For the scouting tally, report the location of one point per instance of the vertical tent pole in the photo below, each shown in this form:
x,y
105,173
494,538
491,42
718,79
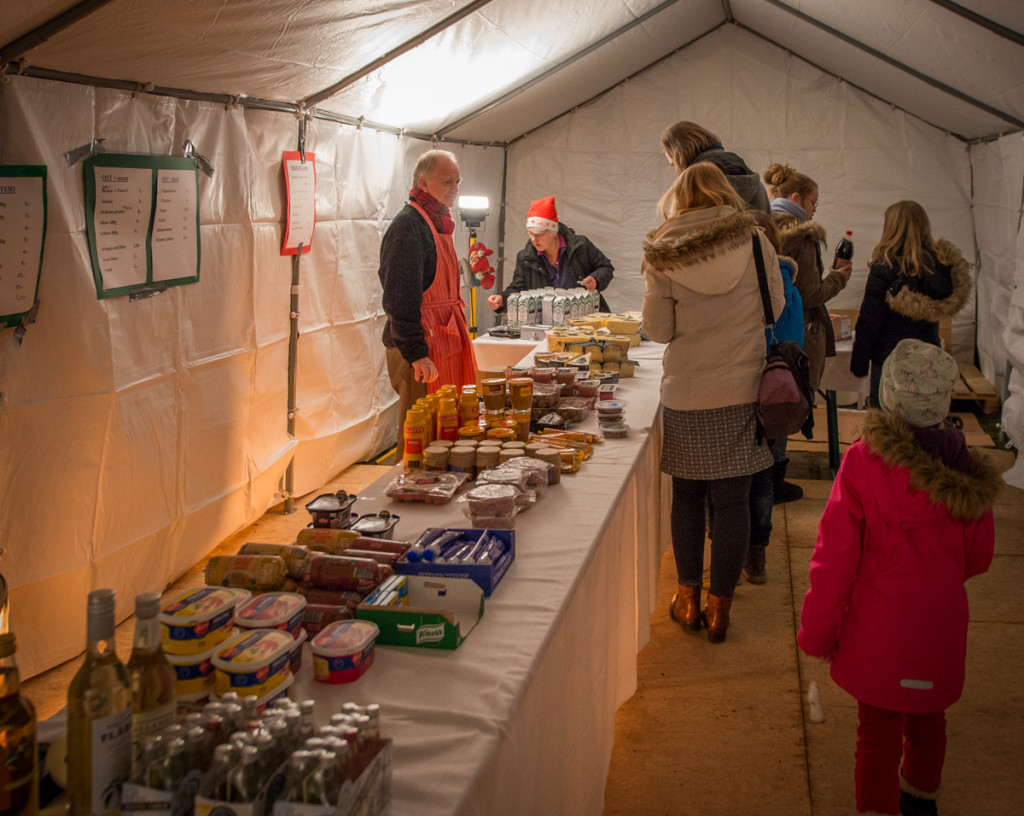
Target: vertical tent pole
x,y
293,348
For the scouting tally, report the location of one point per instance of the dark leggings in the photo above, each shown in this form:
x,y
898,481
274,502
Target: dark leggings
x,y
730,530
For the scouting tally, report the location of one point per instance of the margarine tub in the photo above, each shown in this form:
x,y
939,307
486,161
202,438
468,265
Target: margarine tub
x,y
253,663
343,650
197,620
194,673
272,610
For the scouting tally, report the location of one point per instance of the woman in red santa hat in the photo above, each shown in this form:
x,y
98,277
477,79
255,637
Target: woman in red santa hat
x,y
555,256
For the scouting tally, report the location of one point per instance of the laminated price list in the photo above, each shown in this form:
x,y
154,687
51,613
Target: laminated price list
x,y
143,221
22,230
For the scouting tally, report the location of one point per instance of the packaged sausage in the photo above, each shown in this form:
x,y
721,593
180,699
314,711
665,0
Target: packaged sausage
x,y
331,597
316,616
252,572
322,539
294,556
344,572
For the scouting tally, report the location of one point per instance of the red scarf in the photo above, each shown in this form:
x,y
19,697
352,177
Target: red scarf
x,y
438,212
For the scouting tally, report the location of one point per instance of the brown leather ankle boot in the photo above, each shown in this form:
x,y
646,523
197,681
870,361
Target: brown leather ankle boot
x,y
754,567
716,616
685,608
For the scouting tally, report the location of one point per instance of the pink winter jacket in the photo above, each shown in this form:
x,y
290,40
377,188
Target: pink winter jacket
x,y
900,535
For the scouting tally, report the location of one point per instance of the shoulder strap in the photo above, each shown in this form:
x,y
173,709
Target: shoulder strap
x,y
762,281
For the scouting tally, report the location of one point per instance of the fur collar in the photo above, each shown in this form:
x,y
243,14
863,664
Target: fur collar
x,y
789,226
681,241
793,268
965,495
918,306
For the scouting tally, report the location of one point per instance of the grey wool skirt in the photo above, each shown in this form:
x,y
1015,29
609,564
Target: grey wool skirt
x,y
717,443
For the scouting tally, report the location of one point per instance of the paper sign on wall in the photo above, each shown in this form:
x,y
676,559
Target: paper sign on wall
x,y
142,217
22,230
300,190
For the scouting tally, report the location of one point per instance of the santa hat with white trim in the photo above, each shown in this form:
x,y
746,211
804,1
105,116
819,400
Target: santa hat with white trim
x,y
542,214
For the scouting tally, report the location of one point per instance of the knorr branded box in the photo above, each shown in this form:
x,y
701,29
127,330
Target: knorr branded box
x,y
440,613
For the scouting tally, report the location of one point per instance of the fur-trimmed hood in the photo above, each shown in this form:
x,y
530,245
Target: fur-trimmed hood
x,y
967,495
918,306
790,226
684,246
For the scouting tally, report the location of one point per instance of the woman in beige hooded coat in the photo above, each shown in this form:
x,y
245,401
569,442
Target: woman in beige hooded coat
x,y
703,300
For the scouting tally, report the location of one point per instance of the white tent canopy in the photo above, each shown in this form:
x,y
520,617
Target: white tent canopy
x,y
137,434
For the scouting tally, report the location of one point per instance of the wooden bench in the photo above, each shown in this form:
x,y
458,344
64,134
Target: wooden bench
x,y
973,386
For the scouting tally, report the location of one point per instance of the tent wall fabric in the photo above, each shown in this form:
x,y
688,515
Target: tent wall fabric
x,y
136,434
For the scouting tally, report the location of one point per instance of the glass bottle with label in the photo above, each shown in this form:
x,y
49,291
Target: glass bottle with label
x,y
99,718
151,678
19,788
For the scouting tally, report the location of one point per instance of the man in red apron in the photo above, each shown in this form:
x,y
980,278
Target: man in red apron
x,y
426,337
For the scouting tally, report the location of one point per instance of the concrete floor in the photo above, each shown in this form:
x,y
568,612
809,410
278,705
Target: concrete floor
x,y
716,730
723,729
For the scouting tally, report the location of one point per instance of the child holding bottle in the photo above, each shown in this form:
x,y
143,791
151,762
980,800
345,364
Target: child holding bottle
x,y
908,521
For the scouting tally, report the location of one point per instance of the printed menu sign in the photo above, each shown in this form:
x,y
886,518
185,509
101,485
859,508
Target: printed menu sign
x,y
300,187
142,217
22,230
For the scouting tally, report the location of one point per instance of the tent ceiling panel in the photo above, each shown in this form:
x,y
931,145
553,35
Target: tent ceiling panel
x,y
1005,12
264,48
21,18
934,41
888,82
578,80
482,57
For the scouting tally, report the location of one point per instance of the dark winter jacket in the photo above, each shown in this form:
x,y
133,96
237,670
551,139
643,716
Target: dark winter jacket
x,y
901,533
801,241
898,306
408,263
744,181
584,260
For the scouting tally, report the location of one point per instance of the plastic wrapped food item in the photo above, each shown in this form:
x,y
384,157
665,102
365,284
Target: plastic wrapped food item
x,y
433,487
344,572
536,471
492,500
380,524
294,556
504,475
253,572
618,430
319,539
316,616
551,420
573,409
332,597
331,509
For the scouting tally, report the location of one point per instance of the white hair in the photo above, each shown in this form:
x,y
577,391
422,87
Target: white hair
x,y
428,161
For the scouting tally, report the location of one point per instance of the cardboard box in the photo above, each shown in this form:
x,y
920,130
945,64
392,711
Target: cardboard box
x,y
843,322
440,614
486,576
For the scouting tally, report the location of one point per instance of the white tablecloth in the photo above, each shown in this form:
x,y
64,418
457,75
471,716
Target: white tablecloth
x,y
494,352
520,719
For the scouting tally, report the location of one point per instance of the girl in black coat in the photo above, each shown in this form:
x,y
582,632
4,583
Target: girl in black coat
x,y
914,282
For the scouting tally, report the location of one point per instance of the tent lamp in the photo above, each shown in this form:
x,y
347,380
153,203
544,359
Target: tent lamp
x,y
473,210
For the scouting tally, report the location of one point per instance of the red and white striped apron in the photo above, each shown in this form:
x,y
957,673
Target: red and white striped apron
x,y
444,317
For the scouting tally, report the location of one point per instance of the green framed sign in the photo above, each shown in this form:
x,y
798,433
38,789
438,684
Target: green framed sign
x,y
22,233
142,218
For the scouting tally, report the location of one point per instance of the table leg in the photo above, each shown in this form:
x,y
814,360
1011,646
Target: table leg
x,y
832,420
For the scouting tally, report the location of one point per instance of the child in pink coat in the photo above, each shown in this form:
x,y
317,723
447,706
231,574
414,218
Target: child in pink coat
x,y
908,521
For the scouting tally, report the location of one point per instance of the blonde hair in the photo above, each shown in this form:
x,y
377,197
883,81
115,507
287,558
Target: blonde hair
x,y
698,187
684,141
783,181
426,163
906,235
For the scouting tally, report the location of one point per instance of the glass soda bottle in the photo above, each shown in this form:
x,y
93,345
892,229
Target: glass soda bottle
x,y
844,249
19,763
99,718
151,678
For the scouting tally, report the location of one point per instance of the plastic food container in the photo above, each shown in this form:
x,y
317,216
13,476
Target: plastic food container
x,y
331,510
197,620
343,651
272,610
254,662
376,525
295,661
194,673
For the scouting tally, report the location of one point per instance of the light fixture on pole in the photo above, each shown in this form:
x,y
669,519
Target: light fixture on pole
x,y
472,212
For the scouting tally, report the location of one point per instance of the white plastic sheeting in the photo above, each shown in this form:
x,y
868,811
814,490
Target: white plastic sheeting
x,y
137,435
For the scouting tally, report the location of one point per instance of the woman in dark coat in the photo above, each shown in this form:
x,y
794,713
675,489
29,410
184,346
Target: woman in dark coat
x,y
914,282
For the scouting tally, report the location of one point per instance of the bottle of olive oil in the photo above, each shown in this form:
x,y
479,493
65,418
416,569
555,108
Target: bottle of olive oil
x,y
151,678
19,785
99,718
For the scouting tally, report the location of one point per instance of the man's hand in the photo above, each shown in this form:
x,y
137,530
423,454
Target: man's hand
x,y
424,370
495,301
589,282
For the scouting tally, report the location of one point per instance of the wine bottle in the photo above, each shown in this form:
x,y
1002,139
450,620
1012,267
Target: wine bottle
x,y
19,762
99,718
151,678
844,249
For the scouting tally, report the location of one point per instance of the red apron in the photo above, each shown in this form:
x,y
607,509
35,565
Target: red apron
x,y
444,318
